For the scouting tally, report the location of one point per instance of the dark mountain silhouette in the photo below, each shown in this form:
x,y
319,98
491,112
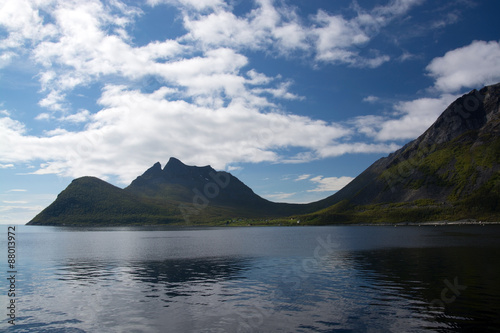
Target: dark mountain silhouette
x,y
452,171
180,182
176,194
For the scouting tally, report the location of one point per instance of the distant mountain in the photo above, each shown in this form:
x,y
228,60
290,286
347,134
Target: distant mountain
x,y
91,201
451,172
179,182
177,194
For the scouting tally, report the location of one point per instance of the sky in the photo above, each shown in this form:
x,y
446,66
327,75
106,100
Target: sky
x,y
293,97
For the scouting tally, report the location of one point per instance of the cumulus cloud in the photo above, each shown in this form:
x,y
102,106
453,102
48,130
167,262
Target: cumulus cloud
x,y
81,116
329,38
476,64
23,23
471,66
208,105
412,119
138,128
82,42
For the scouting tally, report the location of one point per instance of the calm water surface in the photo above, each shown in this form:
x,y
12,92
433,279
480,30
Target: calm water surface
x,y
301,279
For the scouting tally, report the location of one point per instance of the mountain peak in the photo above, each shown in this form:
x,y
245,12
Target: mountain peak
x,y
153,172
470,112
174,161
451,170
175,168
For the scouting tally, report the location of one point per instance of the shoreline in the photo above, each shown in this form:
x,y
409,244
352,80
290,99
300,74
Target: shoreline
x,y
395,224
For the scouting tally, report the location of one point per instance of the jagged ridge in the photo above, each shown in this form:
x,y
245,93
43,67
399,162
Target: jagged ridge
x,y
176,194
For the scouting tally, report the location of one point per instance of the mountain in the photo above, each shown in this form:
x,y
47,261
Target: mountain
x,y
178,194
180,182
202,187
89,200
450,172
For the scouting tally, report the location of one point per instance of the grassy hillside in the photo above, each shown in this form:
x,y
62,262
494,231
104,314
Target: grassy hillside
x,y
91,200
458,180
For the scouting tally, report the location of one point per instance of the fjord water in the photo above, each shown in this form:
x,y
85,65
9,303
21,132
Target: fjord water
x,y
256,279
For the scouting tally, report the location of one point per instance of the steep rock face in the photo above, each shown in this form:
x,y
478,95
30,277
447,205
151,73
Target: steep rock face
x,y
454,163
180,182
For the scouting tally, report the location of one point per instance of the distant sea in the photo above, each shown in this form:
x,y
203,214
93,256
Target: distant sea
x,y
254,279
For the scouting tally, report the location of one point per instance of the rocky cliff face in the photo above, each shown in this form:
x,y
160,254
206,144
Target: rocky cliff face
x,y
450,167
181,182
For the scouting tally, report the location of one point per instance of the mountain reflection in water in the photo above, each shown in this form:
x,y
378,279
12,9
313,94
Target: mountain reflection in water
x,y
373,279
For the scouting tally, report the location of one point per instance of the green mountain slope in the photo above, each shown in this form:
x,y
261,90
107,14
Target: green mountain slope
x,y
89,200
451,172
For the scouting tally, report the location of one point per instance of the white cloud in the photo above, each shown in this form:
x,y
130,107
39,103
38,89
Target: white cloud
x,y
90,42
57,131
302,177
232,169
23,23
43,116
409,120
282,91
210,106
340,40
474,65
78,43
5,58
330,38
54,101
417,116
370,99
81,116
395,8
471,66
193,4
138,129
6,166
327,184
257,78
335,150
279,196
406,56
335,36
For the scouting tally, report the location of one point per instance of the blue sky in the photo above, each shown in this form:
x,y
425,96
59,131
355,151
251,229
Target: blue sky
x,y
295,98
